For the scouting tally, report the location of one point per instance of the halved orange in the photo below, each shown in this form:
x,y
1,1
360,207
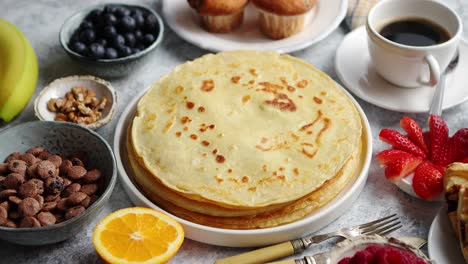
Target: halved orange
x,y
137,235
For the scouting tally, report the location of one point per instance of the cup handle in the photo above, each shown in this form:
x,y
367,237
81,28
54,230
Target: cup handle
x,y
434,70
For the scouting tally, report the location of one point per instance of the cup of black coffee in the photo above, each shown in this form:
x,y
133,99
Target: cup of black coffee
x,y
412,42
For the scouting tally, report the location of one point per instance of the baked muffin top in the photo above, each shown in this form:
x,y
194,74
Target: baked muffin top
x,y
285,7
217,7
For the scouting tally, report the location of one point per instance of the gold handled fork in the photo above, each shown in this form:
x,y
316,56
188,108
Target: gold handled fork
x,y
323,257
380,226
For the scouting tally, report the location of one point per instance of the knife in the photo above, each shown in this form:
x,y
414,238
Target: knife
x,y
321,258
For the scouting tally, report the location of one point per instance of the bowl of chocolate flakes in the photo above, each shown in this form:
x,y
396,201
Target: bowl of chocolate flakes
x,y
54,178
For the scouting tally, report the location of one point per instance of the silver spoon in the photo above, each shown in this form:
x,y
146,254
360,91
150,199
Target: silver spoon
x,y
438,98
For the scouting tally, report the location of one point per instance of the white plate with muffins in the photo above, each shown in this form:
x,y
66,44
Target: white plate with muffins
x,y
283,26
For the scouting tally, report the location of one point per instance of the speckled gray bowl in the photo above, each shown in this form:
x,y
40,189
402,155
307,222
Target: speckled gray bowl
x,y
65,139
107,67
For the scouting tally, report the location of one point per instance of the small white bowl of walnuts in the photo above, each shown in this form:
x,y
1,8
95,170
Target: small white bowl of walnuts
x,y
85,100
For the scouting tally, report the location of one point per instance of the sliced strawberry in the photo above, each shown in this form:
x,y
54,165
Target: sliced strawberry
x,y
438,167
401,142
402,167
414,133
438,134
455,149
428,181
389,155
427,140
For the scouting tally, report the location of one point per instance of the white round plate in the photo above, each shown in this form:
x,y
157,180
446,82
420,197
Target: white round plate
x,y
354,68
246,238
325,17
406,185
442,244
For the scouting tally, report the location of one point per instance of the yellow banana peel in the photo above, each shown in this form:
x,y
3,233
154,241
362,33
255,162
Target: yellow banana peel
x,y
18,71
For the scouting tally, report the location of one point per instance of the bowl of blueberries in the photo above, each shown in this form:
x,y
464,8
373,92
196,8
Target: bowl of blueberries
x,y
111,39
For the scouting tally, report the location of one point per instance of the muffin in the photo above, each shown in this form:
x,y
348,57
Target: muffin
x,y
219,16
282,18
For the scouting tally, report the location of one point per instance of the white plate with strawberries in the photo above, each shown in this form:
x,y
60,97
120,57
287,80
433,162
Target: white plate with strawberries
x,y
416,161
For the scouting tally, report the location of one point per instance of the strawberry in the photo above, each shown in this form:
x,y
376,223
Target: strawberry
x,y
455,149
427,140
414,133
438,134
428,181
389,155
401,142
401,167
465,160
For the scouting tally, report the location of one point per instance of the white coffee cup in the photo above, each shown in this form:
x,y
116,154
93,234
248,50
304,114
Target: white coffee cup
x,y
411,66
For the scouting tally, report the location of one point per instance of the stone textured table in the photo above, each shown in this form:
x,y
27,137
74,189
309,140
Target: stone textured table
x,y
40,20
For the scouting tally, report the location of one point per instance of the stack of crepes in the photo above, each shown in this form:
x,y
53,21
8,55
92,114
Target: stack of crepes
x,y
456,195
244,140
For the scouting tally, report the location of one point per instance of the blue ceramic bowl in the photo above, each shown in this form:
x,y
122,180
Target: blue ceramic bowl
x,y
107,67
65,139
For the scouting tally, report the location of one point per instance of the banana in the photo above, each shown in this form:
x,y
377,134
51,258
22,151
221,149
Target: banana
x,y
18,71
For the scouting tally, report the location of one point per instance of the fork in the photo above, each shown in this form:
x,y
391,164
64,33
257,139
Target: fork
x,y
382,226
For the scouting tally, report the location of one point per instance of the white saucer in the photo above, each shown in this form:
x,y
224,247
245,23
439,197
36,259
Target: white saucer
x,y
441,243
325,17
354,68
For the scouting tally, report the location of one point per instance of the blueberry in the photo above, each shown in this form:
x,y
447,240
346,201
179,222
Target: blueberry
x,y
110,9
135,50
125,51
97,51
102,41
109,32
109,19
119,48
140,46
148,39
75,36
94,15
127,24
151,23
78,47
121,11
111,53
130,39
138,35
118,40
136,11
86,25
139,20
87,36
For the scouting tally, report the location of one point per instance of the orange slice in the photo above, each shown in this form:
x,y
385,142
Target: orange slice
x,y
137,235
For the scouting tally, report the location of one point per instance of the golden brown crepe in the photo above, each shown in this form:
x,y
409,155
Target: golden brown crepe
x,y
287,214
246,130
152,187
456,195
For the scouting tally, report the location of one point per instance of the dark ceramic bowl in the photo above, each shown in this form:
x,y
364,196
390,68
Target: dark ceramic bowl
x,y
107,67
64,139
